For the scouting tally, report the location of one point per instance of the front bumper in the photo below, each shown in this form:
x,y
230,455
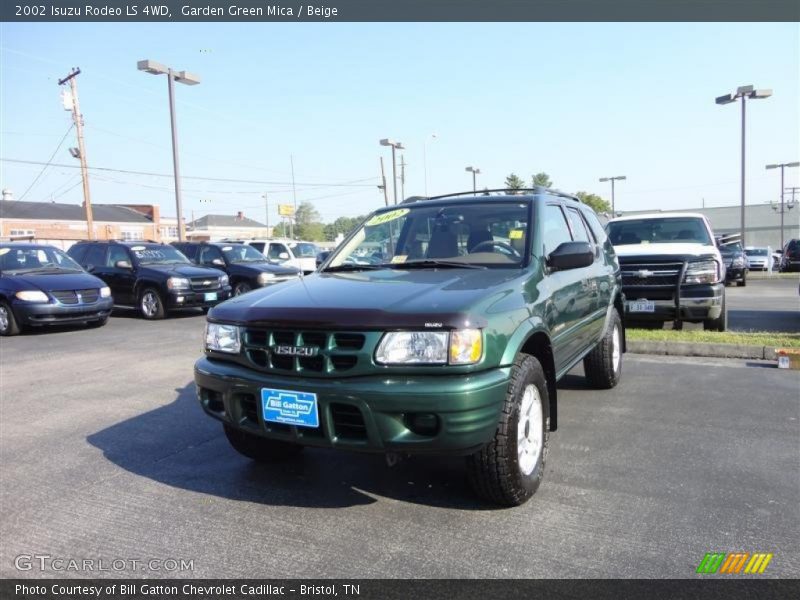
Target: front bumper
x,y
370,414
29,313
192,299
735,274
696,303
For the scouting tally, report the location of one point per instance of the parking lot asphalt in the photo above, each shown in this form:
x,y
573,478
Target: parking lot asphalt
x,y
105,454
765,305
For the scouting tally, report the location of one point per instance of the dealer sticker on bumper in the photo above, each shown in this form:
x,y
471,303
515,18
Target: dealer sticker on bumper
x,y
292,408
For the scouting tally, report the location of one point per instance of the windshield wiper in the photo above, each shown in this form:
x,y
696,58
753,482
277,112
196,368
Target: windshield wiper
x,y
432,264
354,267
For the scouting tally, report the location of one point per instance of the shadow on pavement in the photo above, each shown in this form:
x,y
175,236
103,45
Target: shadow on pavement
x,y
179,446
786,321
120,312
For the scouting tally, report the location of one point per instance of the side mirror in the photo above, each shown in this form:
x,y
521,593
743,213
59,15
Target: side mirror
x,y
283,256
123,264
571,255
218,262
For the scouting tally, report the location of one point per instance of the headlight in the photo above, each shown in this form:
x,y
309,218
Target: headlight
x,y
738,261
223,338
430,347
705,271
223,281
263,278
178,283
32,296
105,292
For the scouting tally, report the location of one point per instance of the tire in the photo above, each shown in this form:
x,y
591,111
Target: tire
x,y
260,449
743,282
502,472
8,322
721,322
241,287
151,305
603,365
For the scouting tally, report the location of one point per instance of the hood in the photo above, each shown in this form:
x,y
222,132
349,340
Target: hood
x,y
54,282
372,299
184,270
263,267
683,249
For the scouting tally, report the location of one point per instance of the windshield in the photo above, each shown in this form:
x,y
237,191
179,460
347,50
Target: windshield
x,y
32,259
491,234
158,255
755,251
242,254
667,230
732,248
304,250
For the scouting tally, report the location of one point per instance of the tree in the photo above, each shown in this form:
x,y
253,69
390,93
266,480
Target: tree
x,y
542,179
594,201
308,223
342,225
513,182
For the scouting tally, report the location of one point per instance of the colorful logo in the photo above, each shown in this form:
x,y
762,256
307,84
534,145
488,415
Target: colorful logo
x,y
734,563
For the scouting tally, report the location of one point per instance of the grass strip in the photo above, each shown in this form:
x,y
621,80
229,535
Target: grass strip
x,y
746,338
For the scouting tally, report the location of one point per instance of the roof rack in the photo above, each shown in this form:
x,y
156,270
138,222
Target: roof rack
x,y
535,190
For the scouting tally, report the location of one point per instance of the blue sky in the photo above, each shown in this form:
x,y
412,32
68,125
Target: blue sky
x,y
579,101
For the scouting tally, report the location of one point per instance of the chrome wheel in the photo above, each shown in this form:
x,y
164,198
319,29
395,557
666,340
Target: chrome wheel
x,y
4,321
529,430
616,348
150,304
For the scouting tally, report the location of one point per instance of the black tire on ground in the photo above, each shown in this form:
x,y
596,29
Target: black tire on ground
x,y
151,305
8,322
241,287
743,282
603,365
721,322
509,469
260,449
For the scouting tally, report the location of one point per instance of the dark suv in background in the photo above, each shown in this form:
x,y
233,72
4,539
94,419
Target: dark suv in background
x,y
246,267
790,259
152,277
449,340
735,260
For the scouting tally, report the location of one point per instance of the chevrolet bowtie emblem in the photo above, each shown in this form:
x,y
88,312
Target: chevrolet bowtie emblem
x,y
642,273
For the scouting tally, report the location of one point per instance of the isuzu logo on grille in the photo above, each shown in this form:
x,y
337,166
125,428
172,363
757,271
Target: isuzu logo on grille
x,y
295,350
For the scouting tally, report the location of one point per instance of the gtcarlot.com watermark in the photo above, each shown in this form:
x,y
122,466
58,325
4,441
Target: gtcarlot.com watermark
x,y
59,564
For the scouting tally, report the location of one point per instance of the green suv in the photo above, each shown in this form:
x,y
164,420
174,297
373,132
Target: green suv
x,y
439,326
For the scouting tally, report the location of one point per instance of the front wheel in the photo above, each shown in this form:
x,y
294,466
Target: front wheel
x,y
743,282
603,365
151,305
8,322
258,448
720,323
509,469
241,288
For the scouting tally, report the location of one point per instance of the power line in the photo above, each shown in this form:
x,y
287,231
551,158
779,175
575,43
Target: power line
x,y
352,183
48,163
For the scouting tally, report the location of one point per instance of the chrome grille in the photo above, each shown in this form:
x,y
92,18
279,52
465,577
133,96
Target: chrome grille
x,y
312,352
200,284
76,296
651,274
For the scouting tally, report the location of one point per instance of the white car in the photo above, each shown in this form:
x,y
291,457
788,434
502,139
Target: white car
x,y
671,269
759,258
298,254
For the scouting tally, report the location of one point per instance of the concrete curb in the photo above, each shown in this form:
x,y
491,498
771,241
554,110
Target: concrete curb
x,y
701,349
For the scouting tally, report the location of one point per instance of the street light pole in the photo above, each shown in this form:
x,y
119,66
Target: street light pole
x,y
782,166
613,200
474,171
744,92
395,146
154,68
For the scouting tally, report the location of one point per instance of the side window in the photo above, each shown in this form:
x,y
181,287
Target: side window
x,y
190,250
77,252
208,254
258,246
597,227
275,251
579,233
95,256
116,254
554,228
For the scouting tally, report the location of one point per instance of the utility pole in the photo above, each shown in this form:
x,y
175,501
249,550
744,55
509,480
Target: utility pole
x,y
294,190
266,212
77,118
383,179
402,177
